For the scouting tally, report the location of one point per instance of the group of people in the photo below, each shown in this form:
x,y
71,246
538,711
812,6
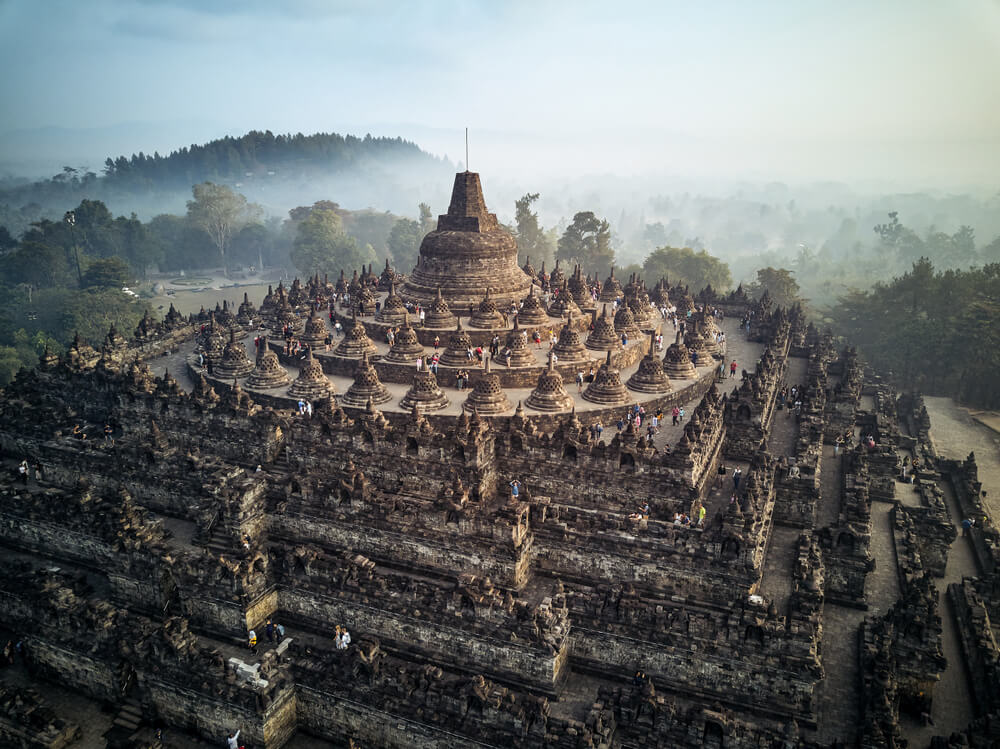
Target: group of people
x,y
24,469
274,632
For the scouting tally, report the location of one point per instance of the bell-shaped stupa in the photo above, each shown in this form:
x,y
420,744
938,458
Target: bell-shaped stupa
x,y
468,252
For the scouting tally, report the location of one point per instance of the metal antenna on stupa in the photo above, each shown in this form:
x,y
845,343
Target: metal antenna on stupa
x,y
466,149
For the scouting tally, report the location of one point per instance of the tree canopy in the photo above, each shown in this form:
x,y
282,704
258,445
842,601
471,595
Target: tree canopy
x,y
935,331
587,241
321,245
682,264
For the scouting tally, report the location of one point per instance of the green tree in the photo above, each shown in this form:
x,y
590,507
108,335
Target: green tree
x,y
780,284
136,244
532,240
321,245
427,221
684,265
404,243
587,241
220,212
106,273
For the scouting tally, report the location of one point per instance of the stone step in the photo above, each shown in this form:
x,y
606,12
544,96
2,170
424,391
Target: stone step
x,y
130,711
125,723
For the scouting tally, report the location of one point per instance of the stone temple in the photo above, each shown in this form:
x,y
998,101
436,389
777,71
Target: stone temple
x,y
468,253
777,569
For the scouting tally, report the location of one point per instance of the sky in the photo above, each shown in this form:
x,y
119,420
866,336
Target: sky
x,y
905,90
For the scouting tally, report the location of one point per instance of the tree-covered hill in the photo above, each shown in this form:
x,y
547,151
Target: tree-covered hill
x,y
278,171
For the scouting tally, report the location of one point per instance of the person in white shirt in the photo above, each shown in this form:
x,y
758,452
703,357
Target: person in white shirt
x,y
233,742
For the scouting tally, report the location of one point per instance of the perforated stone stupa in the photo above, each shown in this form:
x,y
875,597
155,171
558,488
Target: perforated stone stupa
x,y
439,316
268,373
235,362
367,386
311,383
649,377
603,336
424,393
677,361
532,313
549,394
607,388
487,396
468,252
356,342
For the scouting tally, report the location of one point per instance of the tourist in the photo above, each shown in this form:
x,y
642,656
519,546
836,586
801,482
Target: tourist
x,y
507,355
579,381
309,409
590,374
694,358
269,630
681,413
279,631
22,471
252,641
38,472
437,341
675,414
701,515
967,525
434,363
737,475
621,423
599,427
554,358
233,742
624,339
515,488
302,407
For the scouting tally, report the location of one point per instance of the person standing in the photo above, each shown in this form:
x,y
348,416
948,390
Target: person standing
x,y
732,369
233,742
515,488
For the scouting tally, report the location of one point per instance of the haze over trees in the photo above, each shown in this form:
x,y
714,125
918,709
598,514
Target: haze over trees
x,y
587,241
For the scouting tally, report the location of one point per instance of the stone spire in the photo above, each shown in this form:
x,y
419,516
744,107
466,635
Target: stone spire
x,y
578,287
235,362
612,289
393,310
356,342
698,342
456,353
529,270
532,313
268,373
549,394
677,361
649,377
439,316
389,278
563,304
315,332
607,388
406,348
517,341
311,384
424,393
367,387
487,396
625,322
486,315
603,337
557,277
569,349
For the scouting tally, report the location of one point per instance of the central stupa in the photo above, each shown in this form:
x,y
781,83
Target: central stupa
x,y
467,254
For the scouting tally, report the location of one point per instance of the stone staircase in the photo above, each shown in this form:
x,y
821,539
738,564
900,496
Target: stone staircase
x,y
125,725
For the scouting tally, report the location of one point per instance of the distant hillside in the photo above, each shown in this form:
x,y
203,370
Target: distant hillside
x,y
279,171
258,155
